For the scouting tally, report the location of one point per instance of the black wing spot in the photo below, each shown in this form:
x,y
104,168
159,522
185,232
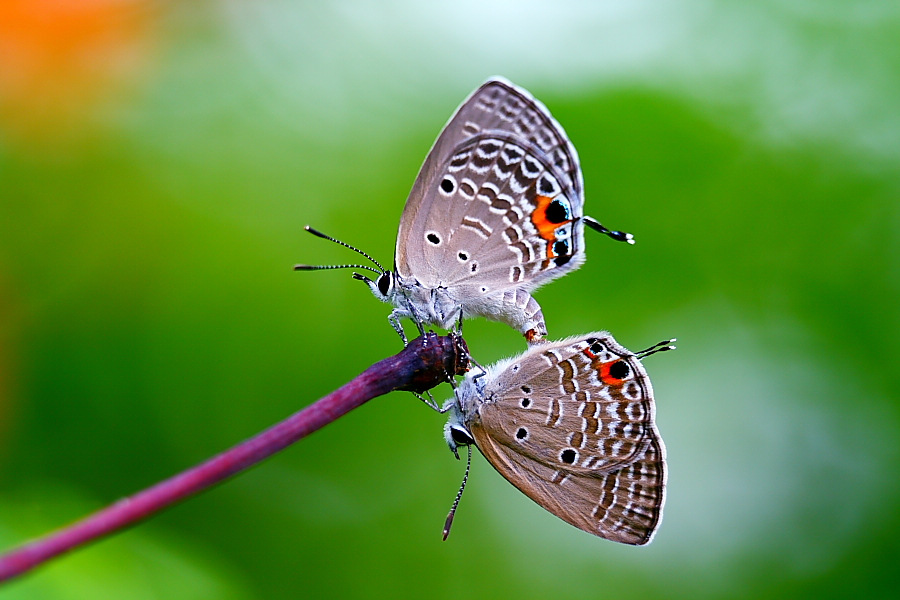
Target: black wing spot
x,y
512,154
433,238
557,211
448,185
561,247
561,260
546,187
526,402
568,456
619,369
522,433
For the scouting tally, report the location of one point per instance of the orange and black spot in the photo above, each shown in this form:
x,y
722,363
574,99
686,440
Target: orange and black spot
x,y
613,372
549,214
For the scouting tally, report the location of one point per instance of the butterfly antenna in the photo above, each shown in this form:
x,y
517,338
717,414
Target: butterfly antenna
x,y
318,233
459,494
662,346
322,267
619,236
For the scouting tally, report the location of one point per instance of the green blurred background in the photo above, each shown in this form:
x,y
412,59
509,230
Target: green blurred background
x,y
159,160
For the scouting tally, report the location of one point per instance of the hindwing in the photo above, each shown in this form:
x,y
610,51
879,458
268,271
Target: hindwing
x,y
584,405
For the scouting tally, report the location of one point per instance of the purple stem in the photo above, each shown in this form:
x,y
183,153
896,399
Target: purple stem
x,y
424,363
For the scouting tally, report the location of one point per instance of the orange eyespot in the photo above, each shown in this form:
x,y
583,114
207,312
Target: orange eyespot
x,y
549,214
545,227
614,372
547,217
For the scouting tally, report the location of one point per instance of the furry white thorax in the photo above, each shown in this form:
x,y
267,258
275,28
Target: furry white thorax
x,y
471,393
442,306
429,306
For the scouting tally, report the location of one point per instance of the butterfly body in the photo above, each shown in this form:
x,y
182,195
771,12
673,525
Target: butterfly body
x,y
572,425
443,305
495,212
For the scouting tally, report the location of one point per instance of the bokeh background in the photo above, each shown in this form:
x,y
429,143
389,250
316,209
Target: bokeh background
x,y
159,160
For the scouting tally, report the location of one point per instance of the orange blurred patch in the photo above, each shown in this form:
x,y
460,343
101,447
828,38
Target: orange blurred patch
x,y
60,58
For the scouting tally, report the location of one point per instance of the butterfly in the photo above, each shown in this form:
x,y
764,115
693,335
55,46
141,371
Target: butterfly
x,y
495,212
572,425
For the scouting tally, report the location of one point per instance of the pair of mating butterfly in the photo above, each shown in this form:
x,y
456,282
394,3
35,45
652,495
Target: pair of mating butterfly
x,y
495,212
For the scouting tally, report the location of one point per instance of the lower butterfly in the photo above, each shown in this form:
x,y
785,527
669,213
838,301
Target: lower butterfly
x,y
572,425
496,211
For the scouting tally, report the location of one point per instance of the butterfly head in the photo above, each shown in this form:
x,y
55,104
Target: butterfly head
x,y
455,431
383,287
457,435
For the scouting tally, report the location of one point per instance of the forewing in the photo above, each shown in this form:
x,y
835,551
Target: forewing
x,y
584,405
498,199
623,506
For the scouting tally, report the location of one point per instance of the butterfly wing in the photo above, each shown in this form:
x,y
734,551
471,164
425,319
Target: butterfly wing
x,y
498,201
572,425
584,404
624,506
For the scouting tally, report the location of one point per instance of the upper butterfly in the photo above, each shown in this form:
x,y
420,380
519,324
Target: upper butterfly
x,y
496,211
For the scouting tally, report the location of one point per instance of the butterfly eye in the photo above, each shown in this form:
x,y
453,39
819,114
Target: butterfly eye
x,y
385,283
461,436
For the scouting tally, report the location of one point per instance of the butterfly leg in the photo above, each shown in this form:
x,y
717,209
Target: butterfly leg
x,y
411,311
394,319
429,401
477,376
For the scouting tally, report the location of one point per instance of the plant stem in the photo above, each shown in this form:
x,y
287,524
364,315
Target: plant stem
x,y
424,363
